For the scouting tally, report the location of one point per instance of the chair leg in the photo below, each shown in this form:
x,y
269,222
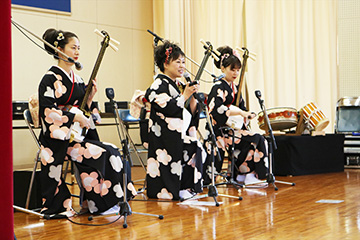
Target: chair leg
x,y
32,179
66,170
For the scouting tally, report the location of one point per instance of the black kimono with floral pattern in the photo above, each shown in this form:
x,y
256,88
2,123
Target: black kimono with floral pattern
x,y
175,156
249,148
99,164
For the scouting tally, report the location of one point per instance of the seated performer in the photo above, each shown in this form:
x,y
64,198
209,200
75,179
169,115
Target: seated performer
x,y
175,156
99,164
250,148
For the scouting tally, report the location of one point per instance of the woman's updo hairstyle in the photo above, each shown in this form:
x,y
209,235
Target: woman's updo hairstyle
x,y
165,53
57,39
228,57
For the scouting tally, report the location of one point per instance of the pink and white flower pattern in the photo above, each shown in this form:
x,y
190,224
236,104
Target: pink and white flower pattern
x,y
92,206
76,152
118,190
163,156
55,172
176,168
93,151
102,187
46,156
89,180
153,168
116,163
60,89
164,194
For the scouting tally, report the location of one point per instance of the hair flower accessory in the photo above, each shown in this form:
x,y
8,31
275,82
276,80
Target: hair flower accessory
x,y
60,36
167,53
226,55
236,54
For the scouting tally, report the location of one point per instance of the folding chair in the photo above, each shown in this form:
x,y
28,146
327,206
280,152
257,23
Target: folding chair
x,y
131,123
127,121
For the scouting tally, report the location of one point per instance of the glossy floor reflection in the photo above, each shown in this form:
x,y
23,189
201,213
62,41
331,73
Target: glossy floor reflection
x,y
292,212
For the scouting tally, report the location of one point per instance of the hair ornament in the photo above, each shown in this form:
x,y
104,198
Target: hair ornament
x,y
56,43
167,53
60,36
236,54
226,55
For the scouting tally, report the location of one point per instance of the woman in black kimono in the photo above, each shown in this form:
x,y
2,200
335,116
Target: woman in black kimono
x,y
250,148
98,163
175,156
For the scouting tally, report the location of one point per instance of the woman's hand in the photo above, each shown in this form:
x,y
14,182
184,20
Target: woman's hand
x,y
84,121
239,111
190,90
250,115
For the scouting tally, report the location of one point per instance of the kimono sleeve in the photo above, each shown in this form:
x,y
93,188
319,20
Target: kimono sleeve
x,y
56,123
162,101
218,108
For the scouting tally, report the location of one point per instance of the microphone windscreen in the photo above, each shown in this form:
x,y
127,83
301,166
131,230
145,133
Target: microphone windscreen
x,y
221,76
110,93
78,66
186,75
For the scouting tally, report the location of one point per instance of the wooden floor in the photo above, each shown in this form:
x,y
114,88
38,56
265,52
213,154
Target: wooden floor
x,y
292,212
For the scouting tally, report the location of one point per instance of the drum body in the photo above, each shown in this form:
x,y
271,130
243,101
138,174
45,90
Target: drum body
x,y
314,117
281,118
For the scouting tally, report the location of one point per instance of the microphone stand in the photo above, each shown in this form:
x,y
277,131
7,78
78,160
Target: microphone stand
x,y
44,216
67,58
125,133
125,209
270,178
156,42
212,191
231,181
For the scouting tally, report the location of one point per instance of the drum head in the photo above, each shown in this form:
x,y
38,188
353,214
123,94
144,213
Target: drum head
x,y
281,118
322,124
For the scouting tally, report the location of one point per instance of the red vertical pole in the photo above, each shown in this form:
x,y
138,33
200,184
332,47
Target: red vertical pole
x,y
6,168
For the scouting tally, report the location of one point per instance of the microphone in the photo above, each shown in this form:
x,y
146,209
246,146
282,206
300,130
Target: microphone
x,y
78,65
219,77
258,96
197,96
110,94
156,36
188,79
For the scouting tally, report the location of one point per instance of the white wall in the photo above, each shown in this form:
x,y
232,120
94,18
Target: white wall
x,y
349,48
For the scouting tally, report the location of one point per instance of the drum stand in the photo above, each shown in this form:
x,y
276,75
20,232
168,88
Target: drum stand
x,y
212,191
270,178
125,209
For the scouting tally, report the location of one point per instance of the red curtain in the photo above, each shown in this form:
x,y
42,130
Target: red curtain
x,y
6,160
